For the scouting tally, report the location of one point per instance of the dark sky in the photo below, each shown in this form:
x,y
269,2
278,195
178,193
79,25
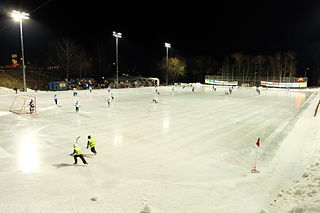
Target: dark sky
x,y
195,28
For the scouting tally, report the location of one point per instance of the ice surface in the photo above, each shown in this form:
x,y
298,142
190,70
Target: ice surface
x,y
191,152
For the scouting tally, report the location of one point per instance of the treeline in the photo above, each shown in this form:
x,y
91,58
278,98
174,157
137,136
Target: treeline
x,y
237,66
74,61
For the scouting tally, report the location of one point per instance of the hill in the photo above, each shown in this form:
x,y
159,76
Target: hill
x,y
14,79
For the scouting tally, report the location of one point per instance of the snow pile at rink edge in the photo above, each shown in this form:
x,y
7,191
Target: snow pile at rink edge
x,y
303,196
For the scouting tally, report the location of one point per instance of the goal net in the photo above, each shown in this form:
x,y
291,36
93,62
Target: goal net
x,y
24,104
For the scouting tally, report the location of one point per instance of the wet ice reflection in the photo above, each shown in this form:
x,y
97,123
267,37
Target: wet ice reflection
x,y
300,98
117,140
165,123
28,155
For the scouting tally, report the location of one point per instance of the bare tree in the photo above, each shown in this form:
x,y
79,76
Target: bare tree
x,y
271,63
278,58
255,61
261,60
82,61
248,59
238,61
65,54
292,63
227,65
285,65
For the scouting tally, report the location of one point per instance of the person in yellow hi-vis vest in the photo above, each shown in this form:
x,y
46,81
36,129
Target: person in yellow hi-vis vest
x,y
77,153
92,144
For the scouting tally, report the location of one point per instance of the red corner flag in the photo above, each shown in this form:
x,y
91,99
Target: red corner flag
x,y
258,142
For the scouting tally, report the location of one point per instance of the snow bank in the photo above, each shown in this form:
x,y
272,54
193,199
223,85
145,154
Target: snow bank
x,y
302,195
4,90
9,91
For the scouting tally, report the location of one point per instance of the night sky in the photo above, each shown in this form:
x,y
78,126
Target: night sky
x,y
195,28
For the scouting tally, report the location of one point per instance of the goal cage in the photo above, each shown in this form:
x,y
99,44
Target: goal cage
x,y
21,105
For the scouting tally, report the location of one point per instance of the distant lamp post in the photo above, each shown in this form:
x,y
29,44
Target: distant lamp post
x,y
117,36
305,72
19,16
255,82
167,45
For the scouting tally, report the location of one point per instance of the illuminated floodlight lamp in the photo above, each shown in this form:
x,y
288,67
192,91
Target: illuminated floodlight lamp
x,y
18,16
117,35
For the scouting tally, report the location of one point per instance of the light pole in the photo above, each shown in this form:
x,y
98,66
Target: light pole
x,y
19,16
305,72
117,36
255,83
167,45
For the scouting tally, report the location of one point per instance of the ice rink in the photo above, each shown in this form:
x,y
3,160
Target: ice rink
x,y
190,153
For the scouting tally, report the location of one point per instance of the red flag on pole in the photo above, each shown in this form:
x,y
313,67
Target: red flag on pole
x,y
258,142
254,170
